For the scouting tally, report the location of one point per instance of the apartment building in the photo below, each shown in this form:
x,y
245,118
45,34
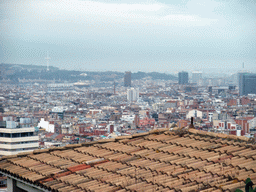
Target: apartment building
x,y
15,138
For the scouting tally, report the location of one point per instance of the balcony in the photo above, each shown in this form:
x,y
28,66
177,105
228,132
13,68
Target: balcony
x,y
17,130
19,139
19,146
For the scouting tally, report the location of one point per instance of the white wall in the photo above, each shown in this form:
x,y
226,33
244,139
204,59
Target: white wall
x,y
46,125
132,94
194,113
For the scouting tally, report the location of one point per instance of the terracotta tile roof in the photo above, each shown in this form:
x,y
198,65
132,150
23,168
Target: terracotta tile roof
x,y
159,160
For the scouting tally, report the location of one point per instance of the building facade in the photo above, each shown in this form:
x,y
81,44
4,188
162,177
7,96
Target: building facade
x,y
16,138
132,94
128,79
247,83
183,77
196,77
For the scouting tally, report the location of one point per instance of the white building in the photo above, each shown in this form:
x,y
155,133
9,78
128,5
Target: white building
x,y
60,86
46,125
196,77
160,107
132,94
252,125
194,113
52,144
128,118
16,140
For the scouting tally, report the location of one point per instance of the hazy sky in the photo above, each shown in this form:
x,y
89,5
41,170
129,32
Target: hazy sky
x,y
136,35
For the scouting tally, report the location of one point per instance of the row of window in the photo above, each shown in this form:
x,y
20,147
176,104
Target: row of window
x,y
3,183
20,149
16,143
15,135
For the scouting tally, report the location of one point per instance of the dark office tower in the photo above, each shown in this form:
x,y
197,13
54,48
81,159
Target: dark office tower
x,y
127,79
183,77
1,71
247,83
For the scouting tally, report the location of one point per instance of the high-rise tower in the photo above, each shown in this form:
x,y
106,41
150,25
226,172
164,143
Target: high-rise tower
x,y
183,77
196,77
132,94
127,79
247,83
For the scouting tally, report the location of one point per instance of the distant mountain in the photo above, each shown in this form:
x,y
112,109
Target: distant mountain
x,y
14,72
153,75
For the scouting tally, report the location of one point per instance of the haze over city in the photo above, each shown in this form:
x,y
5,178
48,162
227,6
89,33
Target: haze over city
x,y
118,95
130,35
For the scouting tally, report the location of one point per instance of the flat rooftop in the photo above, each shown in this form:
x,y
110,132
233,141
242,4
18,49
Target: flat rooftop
x,y
160,160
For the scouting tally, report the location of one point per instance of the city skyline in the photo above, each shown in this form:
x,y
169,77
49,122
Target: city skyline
x,y
135,36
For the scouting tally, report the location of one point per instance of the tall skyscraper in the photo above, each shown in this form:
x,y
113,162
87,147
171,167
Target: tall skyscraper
x,y
128,79
247,83
196,77
183,77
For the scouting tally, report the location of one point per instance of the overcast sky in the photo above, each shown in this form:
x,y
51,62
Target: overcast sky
x,y
136,35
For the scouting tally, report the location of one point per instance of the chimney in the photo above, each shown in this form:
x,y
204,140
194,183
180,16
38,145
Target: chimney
x,y
191,123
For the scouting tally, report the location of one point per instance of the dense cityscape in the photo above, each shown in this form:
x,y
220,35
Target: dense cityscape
x,y
46,112
127,96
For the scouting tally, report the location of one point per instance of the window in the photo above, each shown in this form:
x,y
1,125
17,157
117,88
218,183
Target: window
x,y
14,135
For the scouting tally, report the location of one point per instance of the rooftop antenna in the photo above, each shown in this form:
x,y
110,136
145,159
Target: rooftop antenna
x,y
47,59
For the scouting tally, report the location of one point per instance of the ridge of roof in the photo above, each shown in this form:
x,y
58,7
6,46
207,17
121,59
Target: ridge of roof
x,y
212,134
190,131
